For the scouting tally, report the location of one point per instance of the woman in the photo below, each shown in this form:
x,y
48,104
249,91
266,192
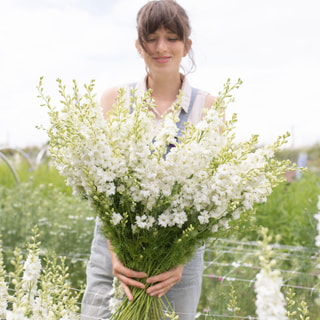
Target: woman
x,y
163,40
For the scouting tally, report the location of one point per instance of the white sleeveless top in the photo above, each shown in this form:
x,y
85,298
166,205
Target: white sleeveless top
x,y
196,113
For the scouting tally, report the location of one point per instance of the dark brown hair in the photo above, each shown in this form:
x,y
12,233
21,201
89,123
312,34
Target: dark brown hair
x,y
166,13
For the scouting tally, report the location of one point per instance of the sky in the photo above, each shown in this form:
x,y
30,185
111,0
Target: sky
x,y
273,46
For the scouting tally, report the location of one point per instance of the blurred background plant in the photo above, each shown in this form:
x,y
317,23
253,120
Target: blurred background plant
x,y
35,290
42,198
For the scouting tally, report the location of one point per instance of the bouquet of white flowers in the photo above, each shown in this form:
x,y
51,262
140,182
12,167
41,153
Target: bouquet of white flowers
x,y
158,196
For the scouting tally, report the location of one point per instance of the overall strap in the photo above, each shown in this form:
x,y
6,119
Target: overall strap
x,y
183,117
132,85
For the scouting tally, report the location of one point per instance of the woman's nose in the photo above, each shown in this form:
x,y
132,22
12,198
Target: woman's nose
x,y
162,45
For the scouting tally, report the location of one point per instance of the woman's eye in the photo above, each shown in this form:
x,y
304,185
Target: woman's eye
x,y
151,40
173,39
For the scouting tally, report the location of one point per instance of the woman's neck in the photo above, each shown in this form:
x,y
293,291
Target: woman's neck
x,y
164,88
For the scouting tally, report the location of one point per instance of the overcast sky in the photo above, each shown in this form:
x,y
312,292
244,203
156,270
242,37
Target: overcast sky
x,y
273,46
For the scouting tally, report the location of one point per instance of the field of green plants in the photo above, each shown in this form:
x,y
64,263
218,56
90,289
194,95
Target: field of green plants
x,y
66,224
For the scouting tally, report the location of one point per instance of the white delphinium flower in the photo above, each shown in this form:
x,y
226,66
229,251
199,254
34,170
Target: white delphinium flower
x,y
164,220
16,315
317,217
179,217
116,218
224,223
145,222
141,221
270,301
32,269
3,298
31,272
149,223
40,308
69,316
3,287
204,217
215,228
317,239
236,214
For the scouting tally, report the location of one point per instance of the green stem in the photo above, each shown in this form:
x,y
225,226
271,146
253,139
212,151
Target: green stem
x,y
144,307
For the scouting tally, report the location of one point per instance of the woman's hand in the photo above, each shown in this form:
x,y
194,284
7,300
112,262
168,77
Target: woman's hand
x,y
126,275
164,281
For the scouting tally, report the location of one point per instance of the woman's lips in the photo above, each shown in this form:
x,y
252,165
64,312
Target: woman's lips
x,y
162,59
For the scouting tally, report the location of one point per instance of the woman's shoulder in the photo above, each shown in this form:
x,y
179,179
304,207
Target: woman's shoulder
x,y
207,99
209,102
108,99
206,102
110,95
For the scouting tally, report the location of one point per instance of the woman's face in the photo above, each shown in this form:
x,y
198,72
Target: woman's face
x,y
163,51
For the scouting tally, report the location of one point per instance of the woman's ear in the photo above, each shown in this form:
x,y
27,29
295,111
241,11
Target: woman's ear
x,y
187,47
139,48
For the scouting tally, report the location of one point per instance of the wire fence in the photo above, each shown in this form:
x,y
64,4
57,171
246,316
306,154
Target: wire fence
x,y
239,261
236,263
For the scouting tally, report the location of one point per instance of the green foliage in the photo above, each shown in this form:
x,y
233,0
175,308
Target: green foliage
x,y
7,177
312,152
65,222
43,174
289,212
